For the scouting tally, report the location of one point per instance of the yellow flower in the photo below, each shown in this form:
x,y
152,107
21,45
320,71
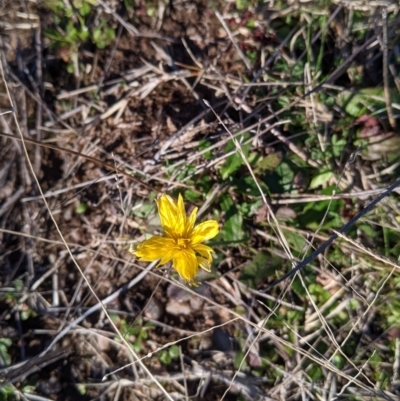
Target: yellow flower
x,y
181,242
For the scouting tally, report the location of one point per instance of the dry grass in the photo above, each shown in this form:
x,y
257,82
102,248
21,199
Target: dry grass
x,y
279,120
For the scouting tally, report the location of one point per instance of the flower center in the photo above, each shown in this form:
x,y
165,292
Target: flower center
x,y
182,243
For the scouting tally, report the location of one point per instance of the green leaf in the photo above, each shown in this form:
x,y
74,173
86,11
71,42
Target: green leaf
x,y
248,186
368,230
103,36
232,164
226,202
70,68
234,161
247,209
233,229
165,357
338,145
29,389
187,170
375,360
242,4
81,388
240,361
297,287
281,179
6,392
18,285
81,208
366,100
321,179
138,344
262,266
191,195
295,240
84,10
315,372
144,210
174,351
268,163
5,358
320,295
203,145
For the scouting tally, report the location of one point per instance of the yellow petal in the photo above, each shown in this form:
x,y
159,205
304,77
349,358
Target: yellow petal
x,y
180,224
204,250
167,212
190,222
204,231
155,248
186,264
172,215
204,263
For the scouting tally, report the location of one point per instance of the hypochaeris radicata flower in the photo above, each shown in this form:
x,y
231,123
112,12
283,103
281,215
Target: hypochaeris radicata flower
x,y
182,242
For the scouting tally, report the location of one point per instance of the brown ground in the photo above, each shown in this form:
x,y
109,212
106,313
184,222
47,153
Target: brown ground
x,y
146,96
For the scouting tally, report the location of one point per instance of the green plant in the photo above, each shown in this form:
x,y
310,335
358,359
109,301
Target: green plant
x,y
168,355
72,27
